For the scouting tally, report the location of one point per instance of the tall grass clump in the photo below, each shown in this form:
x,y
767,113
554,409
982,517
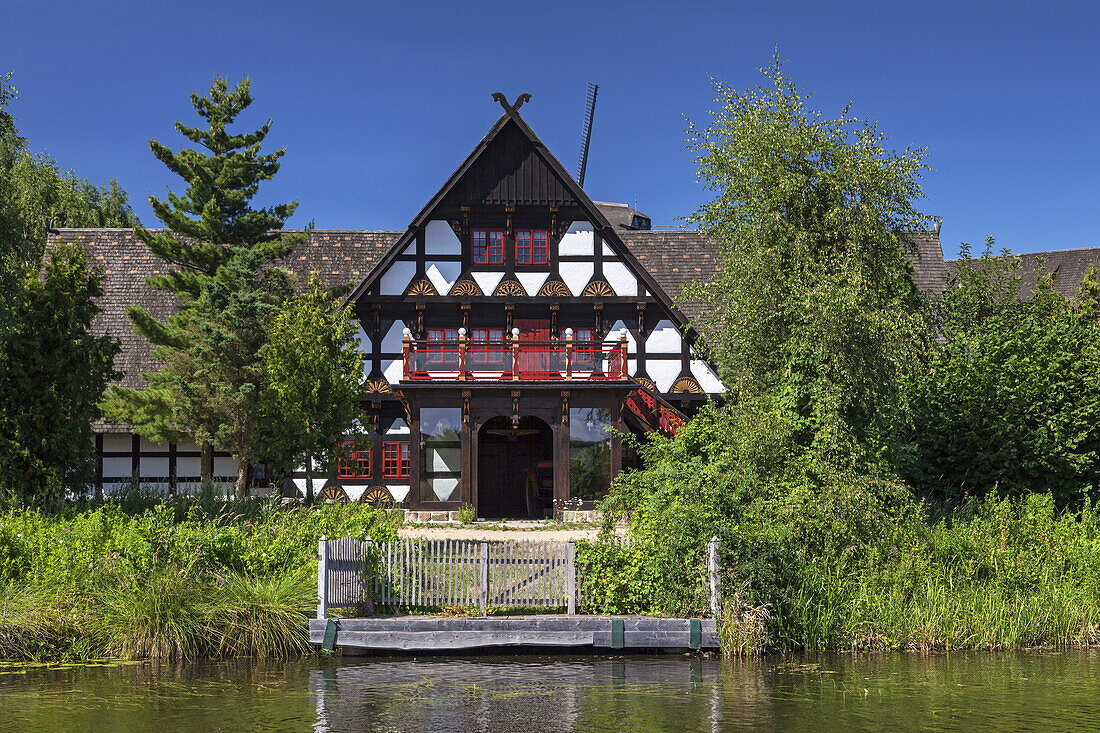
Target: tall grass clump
x,y
168,580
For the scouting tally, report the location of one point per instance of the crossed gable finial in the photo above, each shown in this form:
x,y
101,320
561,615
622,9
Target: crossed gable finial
x,y
514,107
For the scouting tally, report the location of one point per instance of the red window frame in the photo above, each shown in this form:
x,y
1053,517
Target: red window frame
x,y
359,463
486,346
395,459
443,346
487,247
532,247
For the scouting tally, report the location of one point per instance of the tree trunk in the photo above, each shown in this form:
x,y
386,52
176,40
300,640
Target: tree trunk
x,y
206,469
309,478
242,479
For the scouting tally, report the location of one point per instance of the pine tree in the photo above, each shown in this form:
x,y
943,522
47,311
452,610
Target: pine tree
x,y
221,253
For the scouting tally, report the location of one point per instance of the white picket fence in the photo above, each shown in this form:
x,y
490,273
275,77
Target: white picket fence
x,y
477,573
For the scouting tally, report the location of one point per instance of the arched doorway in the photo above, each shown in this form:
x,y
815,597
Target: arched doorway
x,y
515,469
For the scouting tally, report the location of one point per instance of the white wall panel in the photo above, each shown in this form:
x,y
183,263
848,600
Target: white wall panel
x,y
487,281
663,372
443,274
397,278
398,491
607,249
445,488
576,275
116,442
706,377
148,445
620,278
532,281
613,337
393,341
440,239
116,467
361,336
354,491
665,339
188,466
225,466
578,240
154,468
393,370
399,427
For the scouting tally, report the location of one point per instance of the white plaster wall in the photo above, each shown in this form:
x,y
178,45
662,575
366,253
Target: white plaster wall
x,y
116,442
663,372
532,281
116,467
393,370
443,274
225,466
398,491
189,466
706,377
578,240
613,337
665,339
576,275
187,446
410,251
607,248
319,482
392,342
361,336
397,278
354,491
154,468
148,445
440,239
487,281
620,278
399,427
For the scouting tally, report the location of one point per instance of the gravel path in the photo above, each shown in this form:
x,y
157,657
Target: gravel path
x,y
499,531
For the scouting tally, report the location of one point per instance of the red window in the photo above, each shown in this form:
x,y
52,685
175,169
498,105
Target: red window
x,y
532,247
395,460
486,346
359,462
443,346
488,247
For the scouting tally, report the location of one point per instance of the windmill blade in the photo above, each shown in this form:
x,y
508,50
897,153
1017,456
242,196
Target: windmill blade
x,y
586,131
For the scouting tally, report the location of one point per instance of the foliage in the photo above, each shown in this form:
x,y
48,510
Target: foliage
x,y
1011,400
313,372
814,311
221,254
467,514
171,581
617,579
52,370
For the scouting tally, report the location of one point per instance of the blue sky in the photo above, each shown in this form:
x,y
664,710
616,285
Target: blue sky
x,y
377,103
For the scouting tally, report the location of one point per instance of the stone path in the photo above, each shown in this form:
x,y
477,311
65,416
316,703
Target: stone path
x,y
500,531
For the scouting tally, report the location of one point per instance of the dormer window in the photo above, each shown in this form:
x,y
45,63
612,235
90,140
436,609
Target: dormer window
x,y
532,247
488,247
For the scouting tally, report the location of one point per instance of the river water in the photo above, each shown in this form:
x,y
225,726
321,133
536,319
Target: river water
x,y
1025,691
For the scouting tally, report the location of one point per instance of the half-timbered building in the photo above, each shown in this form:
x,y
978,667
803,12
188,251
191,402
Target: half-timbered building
x,y
512,335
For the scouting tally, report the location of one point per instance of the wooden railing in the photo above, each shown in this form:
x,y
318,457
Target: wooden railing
x,y
513,359
653,410
475,574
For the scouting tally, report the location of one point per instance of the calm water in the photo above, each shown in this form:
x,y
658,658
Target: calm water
x,y
957,692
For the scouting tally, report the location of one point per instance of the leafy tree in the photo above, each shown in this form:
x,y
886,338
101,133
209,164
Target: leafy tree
x,y
314,372
52,369
1011,400
814,313
220,252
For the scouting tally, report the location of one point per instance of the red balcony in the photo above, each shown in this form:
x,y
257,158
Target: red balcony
x,y
514,359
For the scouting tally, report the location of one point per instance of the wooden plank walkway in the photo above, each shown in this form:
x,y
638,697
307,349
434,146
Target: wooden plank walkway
x,y
439,633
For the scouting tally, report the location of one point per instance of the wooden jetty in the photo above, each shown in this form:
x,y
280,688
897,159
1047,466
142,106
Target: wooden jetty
x,y
478,577
440,633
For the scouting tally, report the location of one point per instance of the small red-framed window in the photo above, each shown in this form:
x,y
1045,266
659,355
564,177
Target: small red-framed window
x,y
359,462
395,459
532,247
443,346
486,346
487,247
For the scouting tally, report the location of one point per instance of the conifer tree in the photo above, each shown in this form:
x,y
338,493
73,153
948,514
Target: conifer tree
x,y
220,252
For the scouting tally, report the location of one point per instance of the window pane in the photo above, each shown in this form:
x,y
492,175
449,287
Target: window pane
x,y
590,430
440,453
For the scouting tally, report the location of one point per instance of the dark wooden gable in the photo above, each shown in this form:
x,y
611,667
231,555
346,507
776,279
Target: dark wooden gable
x,y
510,171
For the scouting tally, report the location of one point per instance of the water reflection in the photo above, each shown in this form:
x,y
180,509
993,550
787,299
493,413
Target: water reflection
x,y
957,692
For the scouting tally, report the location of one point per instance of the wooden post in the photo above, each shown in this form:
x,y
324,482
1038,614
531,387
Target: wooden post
x,y
483,584
406,335
624,348
322,578
568,353
712,575
462,353
571,578
368,571
515,354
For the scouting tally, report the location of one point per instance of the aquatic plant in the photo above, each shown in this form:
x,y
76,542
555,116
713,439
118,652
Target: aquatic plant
x,y
262,616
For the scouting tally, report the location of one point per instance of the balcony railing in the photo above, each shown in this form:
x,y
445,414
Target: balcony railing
x,y
513,359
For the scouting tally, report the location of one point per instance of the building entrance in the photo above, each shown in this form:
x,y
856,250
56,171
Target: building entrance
x,y
515,469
